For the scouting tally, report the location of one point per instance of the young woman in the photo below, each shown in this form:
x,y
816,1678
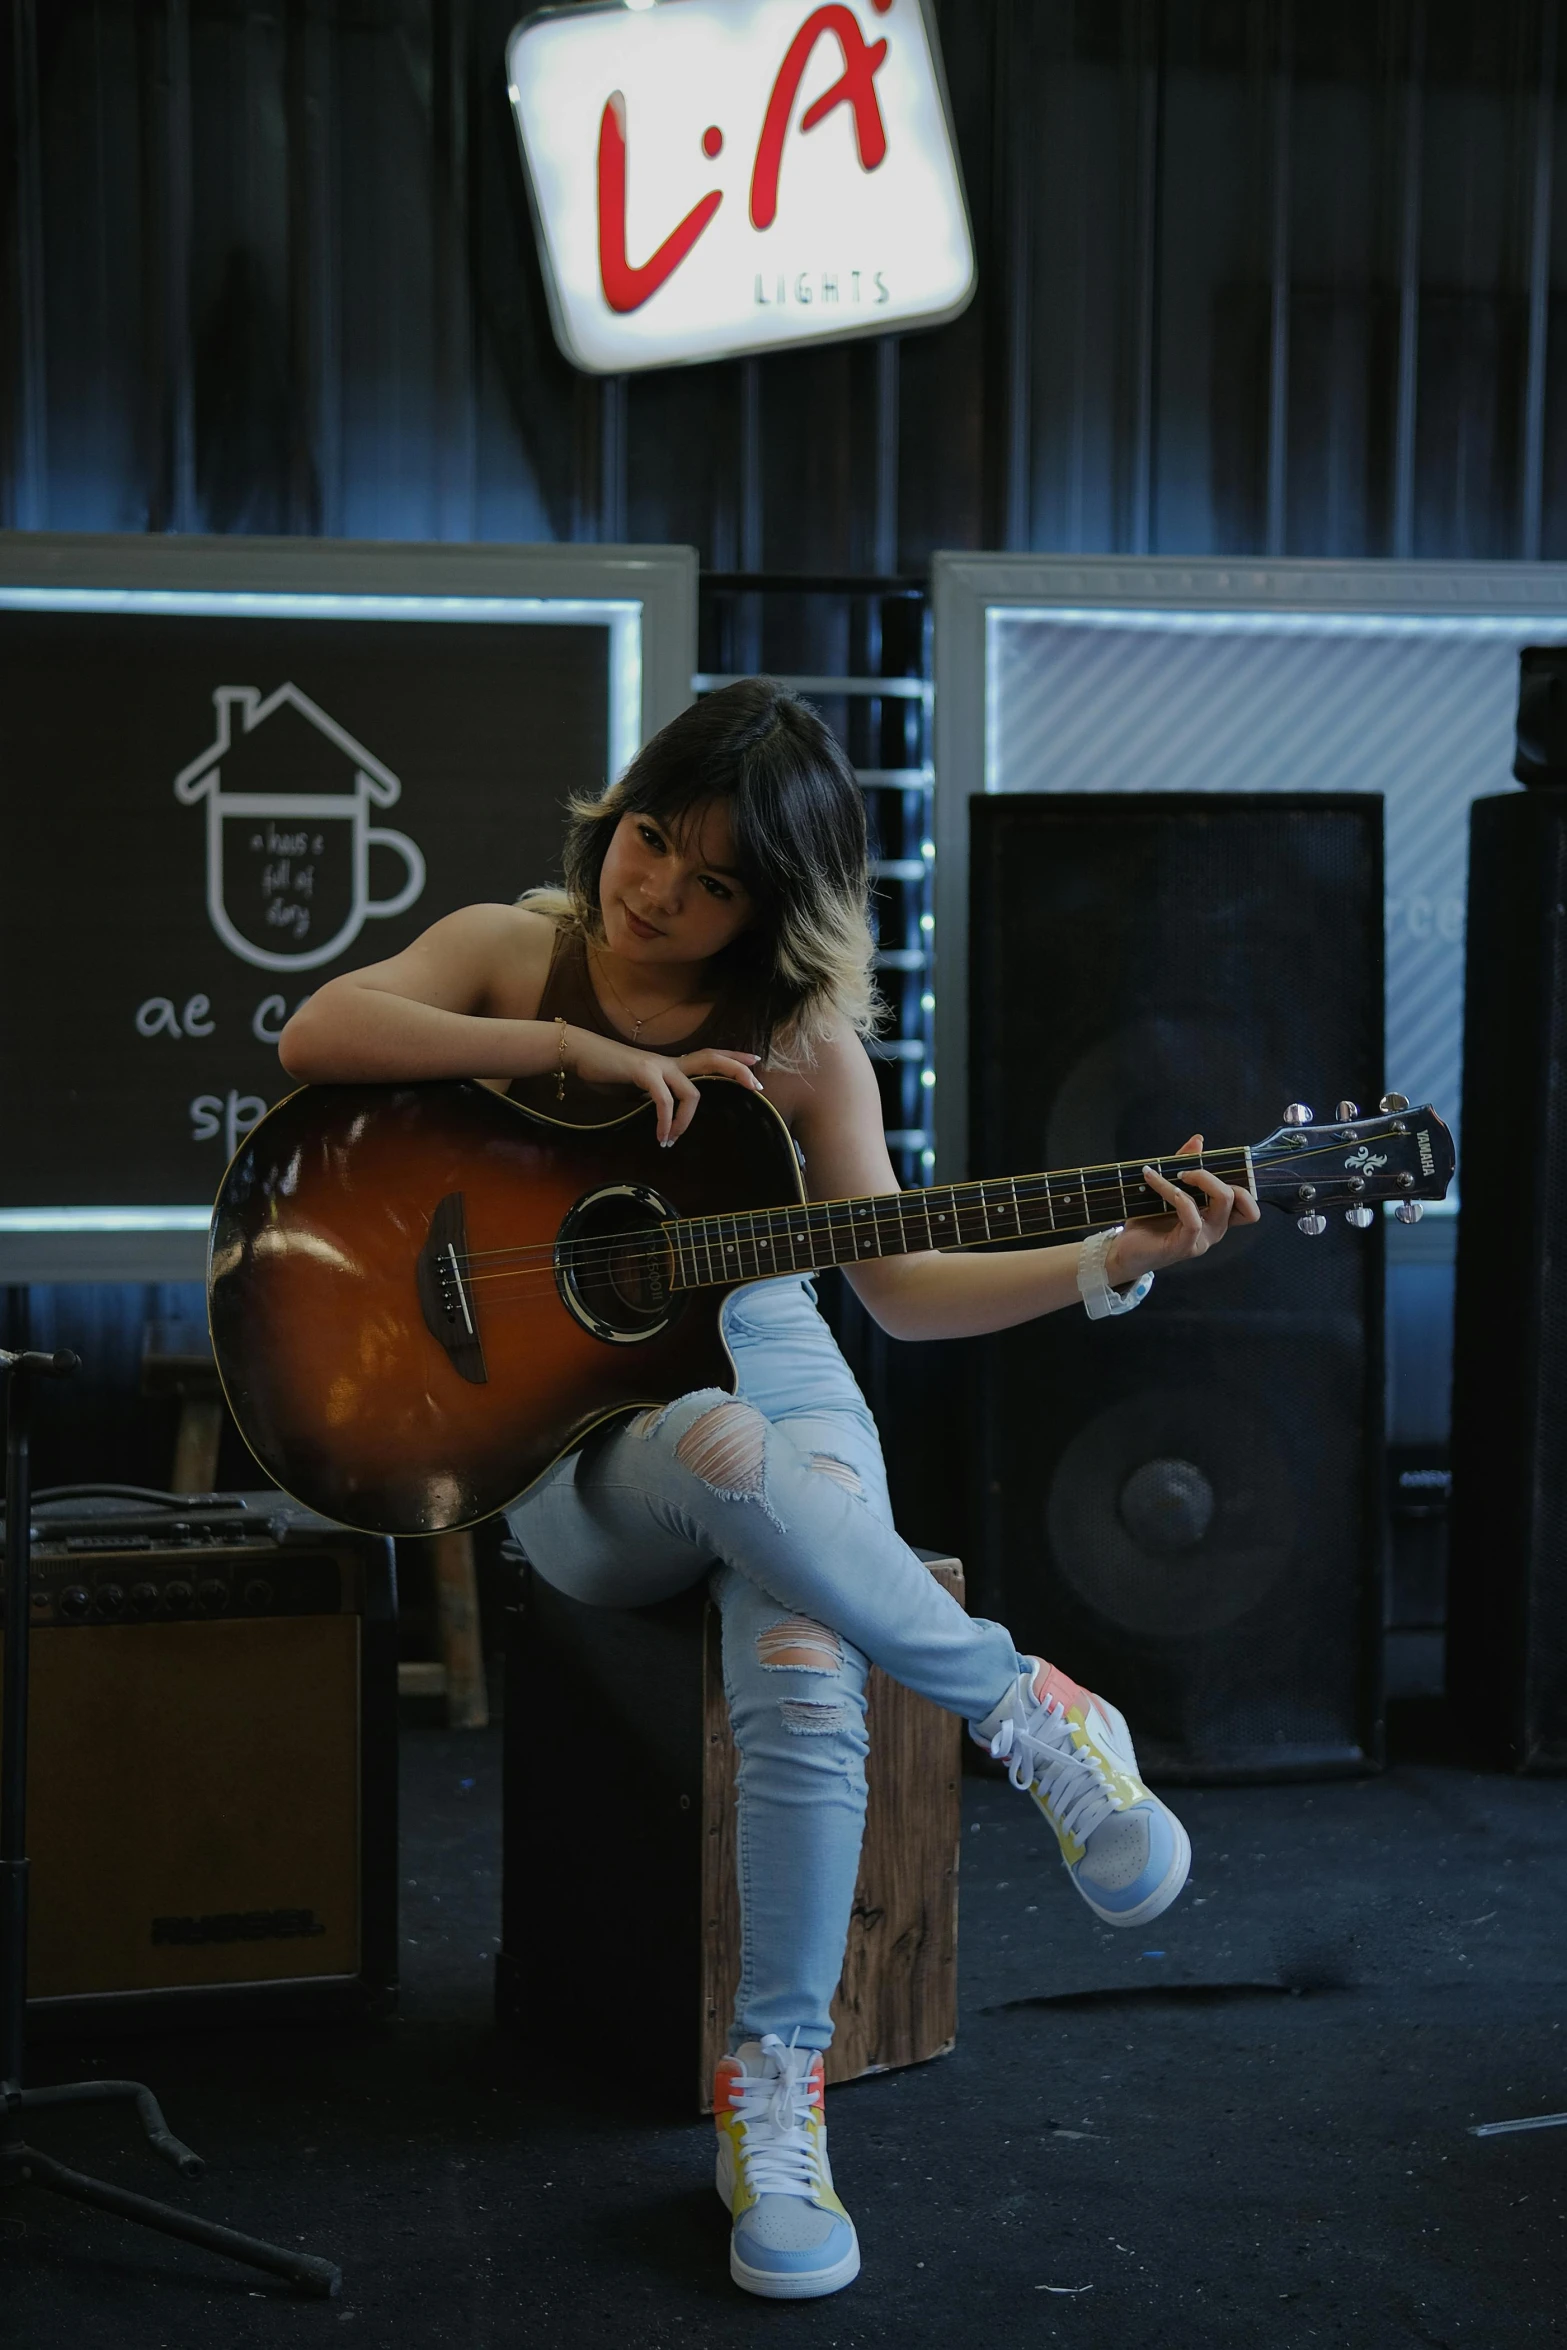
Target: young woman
x,y
714,924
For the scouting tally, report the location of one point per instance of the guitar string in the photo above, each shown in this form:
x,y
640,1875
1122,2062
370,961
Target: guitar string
x,y
531,1281
776,1254
1034,1188
661,1238
538,1281
817,1221
655,1248
1064,1177
647,1250
650,1255
1039,1188
703,1263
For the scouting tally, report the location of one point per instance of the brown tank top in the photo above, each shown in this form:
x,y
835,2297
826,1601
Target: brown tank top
x,y
568,995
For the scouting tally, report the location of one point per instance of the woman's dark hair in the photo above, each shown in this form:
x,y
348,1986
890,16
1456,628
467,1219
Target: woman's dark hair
x,y
798,822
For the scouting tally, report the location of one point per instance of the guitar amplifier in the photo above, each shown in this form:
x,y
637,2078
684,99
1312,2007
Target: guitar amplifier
x,y
212,1762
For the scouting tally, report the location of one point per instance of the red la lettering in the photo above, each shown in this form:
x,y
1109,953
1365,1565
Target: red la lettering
x,y
626,285
854,87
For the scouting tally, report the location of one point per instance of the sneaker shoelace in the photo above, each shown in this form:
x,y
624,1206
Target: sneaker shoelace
x,y
775,2142
1071,1779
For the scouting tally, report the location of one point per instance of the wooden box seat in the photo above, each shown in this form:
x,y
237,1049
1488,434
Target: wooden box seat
x,y
620,1907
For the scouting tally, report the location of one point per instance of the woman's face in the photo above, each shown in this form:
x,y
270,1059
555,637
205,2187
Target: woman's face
x,y
673,898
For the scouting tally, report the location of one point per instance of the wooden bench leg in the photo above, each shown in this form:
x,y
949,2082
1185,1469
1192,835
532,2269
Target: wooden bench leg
x,y
457,1613
196,1444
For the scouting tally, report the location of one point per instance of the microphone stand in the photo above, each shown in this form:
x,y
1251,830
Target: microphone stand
x,y
20,2162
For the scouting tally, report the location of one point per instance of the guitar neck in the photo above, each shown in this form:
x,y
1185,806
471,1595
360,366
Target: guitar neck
x,y
719,1250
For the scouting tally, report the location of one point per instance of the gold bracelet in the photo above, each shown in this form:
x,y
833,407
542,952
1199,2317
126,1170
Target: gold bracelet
x,y
560,1071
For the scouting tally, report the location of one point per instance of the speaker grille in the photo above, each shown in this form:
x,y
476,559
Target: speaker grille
x,y
207,1829
1184,1509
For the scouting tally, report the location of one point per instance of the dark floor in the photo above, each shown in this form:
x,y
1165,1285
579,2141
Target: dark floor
x,y
1246,2127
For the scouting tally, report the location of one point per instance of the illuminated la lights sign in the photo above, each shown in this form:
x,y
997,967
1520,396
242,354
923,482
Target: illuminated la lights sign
x,y
711,177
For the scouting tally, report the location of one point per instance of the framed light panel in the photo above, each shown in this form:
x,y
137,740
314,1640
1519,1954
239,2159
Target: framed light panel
x,y
236,767
1066,674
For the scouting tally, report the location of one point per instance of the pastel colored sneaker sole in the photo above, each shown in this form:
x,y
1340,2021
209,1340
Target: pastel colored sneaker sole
x,y
774,2285
1155,1903
782,2284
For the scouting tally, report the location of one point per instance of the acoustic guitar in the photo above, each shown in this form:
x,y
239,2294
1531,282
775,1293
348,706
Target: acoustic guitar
x,y
422,1295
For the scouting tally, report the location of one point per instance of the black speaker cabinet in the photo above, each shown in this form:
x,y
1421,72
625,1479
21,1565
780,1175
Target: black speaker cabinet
x,y
1507,1577
1184,1509
212,1763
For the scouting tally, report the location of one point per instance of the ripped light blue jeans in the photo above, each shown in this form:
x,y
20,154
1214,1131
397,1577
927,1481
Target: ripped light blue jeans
x,y
784,1487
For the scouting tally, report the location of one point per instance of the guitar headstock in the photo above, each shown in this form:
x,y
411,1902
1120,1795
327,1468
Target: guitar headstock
x,y
1308,1169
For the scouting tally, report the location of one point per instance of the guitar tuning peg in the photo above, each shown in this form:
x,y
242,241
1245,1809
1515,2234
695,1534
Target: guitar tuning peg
x,y
1312,1223
1347,1110
1409,1211
1298,1115
1361,1218
1390,1105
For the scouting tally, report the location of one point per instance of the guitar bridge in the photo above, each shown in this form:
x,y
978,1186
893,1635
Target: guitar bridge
x,y
443,1291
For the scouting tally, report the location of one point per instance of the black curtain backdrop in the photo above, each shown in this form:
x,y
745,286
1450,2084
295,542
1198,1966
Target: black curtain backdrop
x,y
1254,277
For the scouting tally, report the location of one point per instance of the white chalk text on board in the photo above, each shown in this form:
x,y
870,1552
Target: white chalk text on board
x,y
161,1016
158,1017
687,162
230,1115
288,870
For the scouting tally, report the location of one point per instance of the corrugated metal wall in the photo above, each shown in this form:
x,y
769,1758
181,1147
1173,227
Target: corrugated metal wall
x,y
1255,276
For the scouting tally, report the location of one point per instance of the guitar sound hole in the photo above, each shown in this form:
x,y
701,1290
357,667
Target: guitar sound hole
x,y
613,1266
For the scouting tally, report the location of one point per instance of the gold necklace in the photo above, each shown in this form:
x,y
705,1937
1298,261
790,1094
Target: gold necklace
x,y
637,1025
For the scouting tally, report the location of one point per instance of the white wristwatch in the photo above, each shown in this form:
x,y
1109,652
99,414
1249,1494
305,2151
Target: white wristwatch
x,y
1099,1299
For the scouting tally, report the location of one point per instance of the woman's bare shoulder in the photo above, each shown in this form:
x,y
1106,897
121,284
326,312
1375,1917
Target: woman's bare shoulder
x,y
484,959
518,944
837,1081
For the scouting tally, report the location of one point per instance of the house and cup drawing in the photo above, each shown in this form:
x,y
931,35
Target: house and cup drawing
x,y
290,795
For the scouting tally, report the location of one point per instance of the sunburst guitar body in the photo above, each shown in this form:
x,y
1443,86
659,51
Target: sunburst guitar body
x,y
421,1295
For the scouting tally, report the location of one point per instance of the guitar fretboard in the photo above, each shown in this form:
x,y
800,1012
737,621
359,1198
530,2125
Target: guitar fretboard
x,y
749,1245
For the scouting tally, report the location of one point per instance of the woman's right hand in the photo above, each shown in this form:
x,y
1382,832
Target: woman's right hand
x,y
601,1060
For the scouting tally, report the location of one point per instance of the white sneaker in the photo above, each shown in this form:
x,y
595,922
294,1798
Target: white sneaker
x,y
792,2238
1124,1850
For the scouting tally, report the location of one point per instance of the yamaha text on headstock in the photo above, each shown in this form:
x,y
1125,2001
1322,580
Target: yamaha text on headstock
x,y
422,1295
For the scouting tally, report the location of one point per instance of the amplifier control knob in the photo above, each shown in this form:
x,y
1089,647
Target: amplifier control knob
x,y
144,1599
75,1602
109,1598
258,1593
177,1597
212,1597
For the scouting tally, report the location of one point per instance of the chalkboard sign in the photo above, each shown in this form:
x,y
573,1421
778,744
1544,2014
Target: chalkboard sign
x,y
215,799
